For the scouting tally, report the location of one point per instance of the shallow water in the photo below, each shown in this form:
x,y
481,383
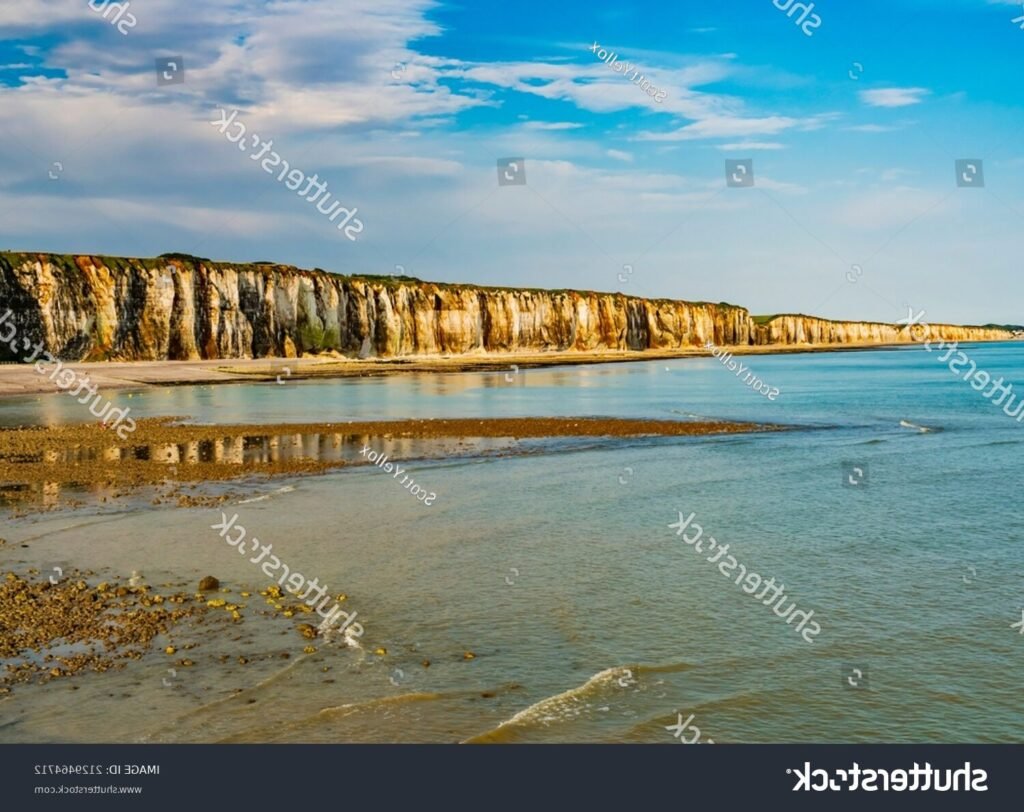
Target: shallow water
x,y
589,619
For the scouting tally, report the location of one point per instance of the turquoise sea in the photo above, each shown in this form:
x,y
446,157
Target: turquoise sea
x,y
589,619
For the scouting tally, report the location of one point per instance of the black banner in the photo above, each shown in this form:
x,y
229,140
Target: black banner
x,y
926,777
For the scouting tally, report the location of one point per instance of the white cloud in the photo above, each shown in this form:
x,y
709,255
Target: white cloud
x,y
894,96
740,146
895,173
725,127
35,14
600,89
551,125
291,64
405,165
619,155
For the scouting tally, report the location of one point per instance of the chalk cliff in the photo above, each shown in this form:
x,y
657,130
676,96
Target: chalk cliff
x,y
180,308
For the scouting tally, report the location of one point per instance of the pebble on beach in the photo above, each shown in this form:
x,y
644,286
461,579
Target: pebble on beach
x,y
208,584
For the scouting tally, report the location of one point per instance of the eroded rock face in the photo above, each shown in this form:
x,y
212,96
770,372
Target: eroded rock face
x,y
102,308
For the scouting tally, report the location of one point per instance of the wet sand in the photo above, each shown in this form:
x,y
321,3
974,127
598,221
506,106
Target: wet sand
x,y
164,450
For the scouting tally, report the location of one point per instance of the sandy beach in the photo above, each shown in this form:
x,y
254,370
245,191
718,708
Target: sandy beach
x,y
23,379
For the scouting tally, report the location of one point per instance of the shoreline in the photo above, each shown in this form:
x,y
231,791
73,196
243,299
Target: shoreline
x,y
20,380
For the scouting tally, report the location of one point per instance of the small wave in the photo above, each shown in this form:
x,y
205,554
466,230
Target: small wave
x,y
690,415
264,497
567,705
921,429
380,702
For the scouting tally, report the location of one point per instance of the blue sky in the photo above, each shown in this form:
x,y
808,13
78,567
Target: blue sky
x,y
404,106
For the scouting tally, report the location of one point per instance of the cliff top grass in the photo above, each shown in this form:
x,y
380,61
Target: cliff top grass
x,y
386,280
1013,328
763,320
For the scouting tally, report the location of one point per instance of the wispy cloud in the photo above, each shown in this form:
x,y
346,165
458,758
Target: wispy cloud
x,y
735,126
741,146
894,96
597,88
551,125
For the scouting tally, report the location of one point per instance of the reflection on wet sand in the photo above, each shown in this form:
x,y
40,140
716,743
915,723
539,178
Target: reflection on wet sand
x,y
102,473
36,464
247,450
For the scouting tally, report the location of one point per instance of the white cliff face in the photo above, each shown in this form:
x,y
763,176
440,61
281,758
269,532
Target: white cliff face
x,y
100,308
793,330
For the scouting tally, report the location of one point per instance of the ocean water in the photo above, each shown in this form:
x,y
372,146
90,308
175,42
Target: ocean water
x,y
588,618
